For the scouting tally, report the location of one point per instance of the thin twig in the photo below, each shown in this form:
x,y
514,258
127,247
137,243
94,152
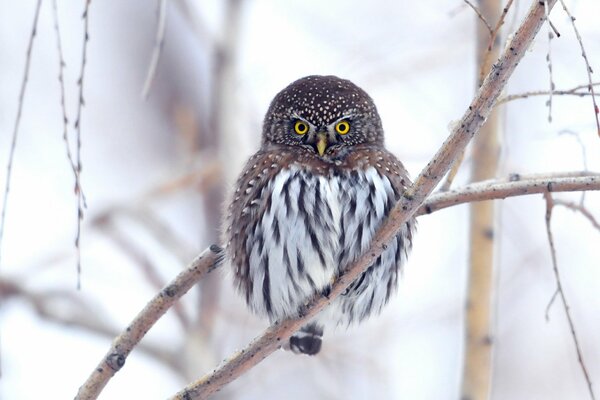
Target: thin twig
x,y
579,208
158,45
81,204
499,24
561,293
13,144
61,80
65,308
588,68
115,358
583,156
549,62
569,92
146,265
480,16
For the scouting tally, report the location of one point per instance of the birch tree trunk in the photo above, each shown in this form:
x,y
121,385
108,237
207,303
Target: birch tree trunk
x,y
485,153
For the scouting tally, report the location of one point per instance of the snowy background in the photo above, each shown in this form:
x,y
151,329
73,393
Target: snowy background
x,y
154,172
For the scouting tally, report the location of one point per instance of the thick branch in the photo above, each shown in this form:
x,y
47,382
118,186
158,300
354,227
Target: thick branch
x,y
515,185
115,358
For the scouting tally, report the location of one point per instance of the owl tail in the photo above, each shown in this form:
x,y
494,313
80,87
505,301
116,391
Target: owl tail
x,y
307,340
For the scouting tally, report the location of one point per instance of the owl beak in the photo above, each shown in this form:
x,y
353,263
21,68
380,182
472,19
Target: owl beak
x,y
321,143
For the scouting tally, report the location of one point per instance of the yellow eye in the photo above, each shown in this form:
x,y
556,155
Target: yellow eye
x,y
300,127
342,127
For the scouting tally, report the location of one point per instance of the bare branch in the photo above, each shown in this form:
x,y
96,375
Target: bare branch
x,y
588,68
115,358
561,293
146,265
158,45
549,61
499,24
480,16
80,197
15,133
583,155
578,207
569,92
62,307
61,81
515,185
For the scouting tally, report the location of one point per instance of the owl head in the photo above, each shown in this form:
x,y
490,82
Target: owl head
x,y
322,114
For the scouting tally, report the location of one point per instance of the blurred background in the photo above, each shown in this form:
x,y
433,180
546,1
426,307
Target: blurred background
x,y
155,170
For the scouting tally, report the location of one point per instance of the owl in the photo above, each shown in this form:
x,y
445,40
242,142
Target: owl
x,y
307,205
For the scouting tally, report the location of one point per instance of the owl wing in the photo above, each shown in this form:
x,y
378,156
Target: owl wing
x,y
248,203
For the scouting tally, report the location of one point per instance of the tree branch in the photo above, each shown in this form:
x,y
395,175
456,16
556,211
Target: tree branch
x,y
515,185
15,133
159,41
115,358
561,293
80,103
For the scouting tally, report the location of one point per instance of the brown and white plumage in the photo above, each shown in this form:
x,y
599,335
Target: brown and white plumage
x,y
307,205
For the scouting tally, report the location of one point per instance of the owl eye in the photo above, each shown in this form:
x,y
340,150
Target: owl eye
x,y
342,127
300,127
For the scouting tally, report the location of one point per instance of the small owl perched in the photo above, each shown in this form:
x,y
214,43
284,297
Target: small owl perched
x,y
308,203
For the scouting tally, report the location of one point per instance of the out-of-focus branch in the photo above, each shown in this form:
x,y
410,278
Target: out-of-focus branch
x,y
15,133
481,17
485,152
147,266
158,45
115,358
499,24
561,293
62,307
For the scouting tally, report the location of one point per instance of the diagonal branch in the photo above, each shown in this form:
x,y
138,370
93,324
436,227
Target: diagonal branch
x,y
115,358
480,16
